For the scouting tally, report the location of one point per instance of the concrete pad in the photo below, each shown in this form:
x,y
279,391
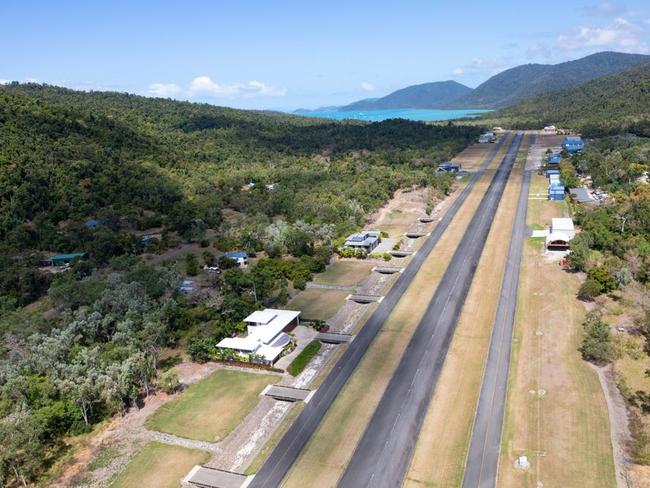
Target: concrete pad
x,y
365,298
385,245
203,477
334,338
286,393
387,269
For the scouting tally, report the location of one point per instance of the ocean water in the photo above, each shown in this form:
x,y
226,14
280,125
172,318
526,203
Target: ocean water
x,y
400,113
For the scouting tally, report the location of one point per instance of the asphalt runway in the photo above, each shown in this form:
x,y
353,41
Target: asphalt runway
x,y
288,449
483,456
386,447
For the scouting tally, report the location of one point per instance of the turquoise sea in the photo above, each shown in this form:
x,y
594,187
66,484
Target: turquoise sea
x,y
400,113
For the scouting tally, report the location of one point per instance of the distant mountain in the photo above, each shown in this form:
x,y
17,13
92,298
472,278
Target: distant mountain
x,y
516,84
426,95
611,105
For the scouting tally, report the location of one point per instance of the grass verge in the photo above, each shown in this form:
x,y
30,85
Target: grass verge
x,y
159,465
210,409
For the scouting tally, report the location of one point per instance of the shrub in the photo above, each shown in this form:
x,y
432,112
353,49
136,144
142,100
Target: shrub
x,y
300,283
589,290
201,349
169,381
601,275
191,264
597,346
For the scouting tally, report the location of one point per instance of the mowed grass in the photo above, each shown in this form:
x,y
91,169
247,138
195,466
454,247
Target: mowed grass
x,y
330,448
318,304
159,465
210,409
344,273
440,452
556,412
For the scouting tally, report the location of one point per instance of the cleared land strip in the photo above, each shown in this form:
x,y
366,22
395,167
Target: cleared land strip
x,y
483,456
441,449
290,446
384,452
330,448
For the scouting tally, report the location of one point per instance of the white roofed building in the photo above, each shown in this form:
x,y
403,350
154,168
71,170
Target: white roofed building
x,y
563,225
266,334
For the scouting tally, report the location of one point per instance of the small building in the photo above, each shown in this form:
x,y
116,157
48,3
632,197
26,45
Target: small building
x,y
556,191
92,223
240,257
271,186
564,225
573,144
186,286
581,195
366,240
554,159
550,172
448,167
63,259
487,137
267,334
550,130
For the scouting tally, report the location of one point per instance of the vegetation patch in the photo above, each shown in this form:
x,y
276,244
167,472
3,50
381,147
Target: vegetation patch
x,y
302,360
210,409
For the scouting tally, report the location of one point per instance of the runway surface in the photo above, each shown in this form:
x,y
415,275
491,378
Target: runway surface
x,y
386,447
483,457
286,452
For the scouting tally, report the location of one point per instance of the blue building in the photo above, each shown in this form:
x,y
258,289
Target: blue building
x,y
573,144
550,172
556,191
92,223
554,159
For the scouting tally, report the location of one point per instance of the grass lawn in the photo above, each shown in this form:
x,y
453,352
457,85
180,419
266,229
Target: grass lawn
x,y
317,304
344,273
159,465
210,409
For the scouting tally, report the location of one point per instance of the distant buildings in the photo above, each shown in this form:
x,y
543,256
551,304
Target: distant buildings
x,y
573,144
266,336
63,259
240,257
448,167
555,186
366,240
550,130
487,137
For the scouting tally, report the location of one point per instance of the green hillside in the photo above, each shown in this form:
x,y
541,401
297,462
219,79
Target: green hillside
x,y
427,95
521,82
610,105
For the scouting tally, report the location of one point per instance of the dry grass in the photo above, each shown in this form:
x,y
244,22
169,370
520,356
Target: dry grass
x,y
440,453
159,465
212,408
318,304
565,430
344,273
329,450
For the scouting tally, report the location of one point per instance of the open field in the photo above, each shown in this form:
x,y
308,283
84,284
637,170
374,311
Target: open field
x,y
212,408
440,453
471,157
318,304
344,273
328,452
556,412
159,465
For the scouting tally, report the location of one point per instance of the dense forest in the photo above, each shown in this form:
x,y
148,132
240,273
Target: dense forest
x,y
606,106
119,176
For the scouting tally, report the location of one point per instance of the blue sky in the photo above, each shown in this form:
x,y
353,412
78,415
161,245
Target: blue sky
x,y
290,54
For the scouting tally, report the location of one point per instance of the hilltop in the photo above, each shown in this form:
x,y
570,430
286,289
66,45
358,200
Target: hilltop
x,y
516,84
610,105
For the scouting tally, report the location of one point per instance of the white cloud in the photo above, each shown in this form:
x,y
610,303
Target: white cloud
x,y
31,80
621,34
4,82
365,86
203,85
165,90
458,72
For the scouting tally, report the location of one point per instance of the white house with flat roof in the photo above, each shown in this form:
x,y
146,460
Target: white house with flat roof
x,y
564,225
266,336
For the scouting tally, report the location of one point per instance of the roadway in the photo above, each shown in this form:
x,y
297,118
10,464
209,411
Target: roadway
x,y
384,452
482,461
288,449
